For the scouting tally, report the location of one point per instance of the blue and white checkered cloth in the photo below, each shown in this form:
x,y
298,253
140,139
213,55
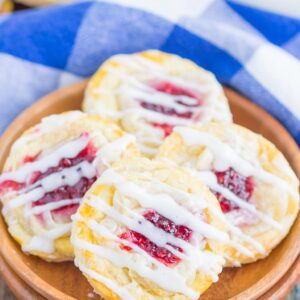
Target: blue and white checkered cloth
x,y
254,51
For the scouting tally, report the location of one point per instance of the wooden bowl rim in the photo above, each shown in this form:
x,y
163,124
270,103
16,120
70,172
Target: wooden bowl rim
x,y
50,292
24,292
19,288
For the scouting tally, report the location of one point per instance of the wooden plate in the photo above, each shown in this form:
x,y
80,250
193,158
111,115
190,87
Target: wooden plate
x,y
23,292
64,281
20,289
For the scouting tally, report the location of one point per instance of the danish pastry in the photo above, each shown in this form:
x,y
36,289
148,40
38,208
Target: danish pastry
x,y
151,92
49,169
148,231
256,188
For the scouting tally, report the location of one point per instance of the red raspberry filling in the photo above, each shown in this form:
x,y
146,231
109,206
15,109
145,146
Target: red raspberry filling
x,y
15,186
64,192
159,253
168,129
238,184
179,231
67,192
29,158
172,89
87,154
166,110
11,185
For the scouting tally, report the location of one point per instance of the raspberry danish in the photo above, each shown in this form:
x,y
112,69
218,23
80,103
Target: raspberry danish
x,y
256,188
151,92
148,231
48,171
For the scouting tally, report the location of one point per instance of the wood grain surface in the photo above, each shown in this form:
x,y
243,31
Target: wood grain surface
x,y
18,288
64,281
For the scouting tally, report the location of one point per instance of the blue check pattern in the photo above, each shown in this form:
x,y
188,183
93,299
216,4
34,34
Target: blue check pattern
x,y
42,50
254,51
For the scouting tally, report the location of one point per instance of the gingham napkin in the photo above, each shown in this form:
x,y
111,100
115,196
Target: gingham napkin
x,y
254,51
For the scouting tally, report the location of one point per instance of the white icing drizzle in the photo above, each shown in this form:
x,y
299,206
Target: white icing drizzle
x,y
43,239
239,247
38,243
51,206
70,149
224,158
159,276
120,291
166,206
68,176
133,90
47,125
101,230
210,179
153,116
165,201
237,232
140,63
112,152
163,206
147,150
160,98
151,140
44,242
233,262
22,199
144,227
234,230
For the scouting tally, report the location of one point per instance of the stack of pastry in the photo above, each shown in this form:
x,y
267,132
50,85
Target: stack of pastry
x,y
152,188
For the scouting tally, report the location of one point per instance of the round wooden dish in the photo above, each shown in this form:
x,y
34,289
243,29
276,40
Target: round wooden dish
x,y
64,281
23,292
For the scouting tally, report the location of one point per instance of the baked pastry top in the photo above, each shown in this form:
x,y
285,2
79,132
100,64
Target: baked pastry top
x,y
256,188
148,231
48,170
150,92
